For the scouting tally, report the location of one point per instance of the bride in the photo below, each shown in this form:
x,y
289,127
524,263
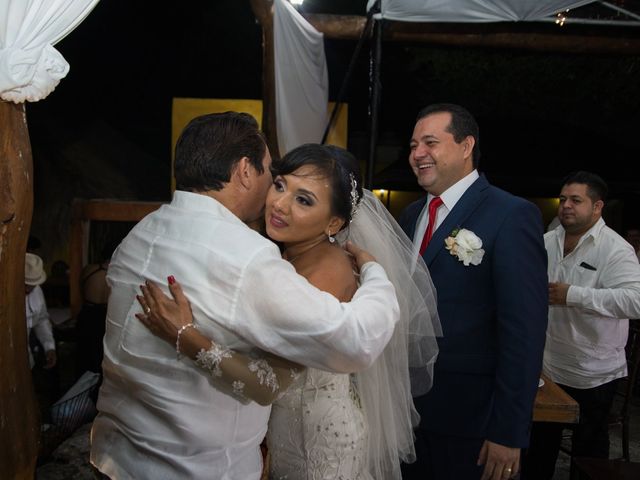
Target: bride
x,y
325,425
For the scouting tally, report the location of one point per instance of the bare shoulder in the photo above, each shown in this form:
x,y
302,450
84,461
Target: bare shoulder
x,y
94,284
89,269
331,271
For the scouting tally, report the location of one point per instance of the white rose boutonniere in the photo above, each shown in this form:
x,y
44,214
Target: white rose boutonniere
x,y
465,245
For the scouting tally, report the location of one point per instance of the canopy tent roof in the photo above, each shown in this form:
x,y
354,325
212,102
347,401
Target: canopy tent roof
x,y
470,10
617,12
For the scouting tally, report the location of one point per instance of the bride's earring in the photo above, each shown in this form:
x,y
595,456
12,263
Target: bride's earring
x,y
331,239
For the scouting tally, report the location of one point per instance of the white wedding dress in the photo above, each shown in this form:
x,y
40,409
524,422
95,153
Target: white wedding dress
x,y
317,430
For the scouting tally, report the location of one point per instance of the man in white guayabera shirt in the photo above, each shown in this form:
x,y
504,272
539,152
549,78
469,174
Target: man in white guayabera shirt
x,y
594,288
158,416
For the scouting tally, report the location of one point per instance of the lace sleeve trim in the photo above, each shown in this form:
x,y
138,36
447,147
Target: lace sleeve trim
x,y
264,372
238,388
210,359
248,376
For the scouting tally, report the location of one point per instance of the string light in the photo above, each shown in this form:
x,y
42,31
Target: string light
x,y
561,17
383,195
381,192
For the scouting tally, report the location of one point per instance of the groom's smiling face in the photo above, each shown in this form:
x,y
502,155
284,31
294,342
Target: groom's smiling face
x,y
437,160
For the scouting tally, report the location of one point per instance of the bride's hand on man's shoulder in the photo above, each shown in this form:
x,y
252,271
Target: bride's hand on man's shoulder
x,y
163,315
360,256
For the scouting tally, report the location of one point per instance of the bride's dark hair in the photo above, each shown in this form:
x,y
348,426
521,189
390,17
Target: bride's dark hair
x,y
335,163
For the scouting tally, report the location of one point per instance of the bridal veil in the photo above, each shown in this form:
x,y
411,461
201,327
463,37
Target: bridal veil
x,y
406,364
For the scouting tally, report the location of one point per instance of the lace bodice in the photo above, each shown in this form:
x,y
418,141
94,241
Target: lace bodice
x,y
316,430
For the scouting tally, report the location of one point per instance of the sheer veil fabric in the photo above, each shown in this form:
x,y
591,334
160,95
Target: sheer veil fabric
x,y
406,365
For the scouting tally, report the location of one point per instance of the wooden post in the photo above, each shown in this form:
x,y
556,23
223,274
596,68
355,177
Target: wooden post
x,y
263,10
76,257
19,423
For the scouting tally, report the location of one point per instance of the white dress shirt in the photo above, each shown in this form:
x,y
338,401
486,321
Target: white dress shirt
x,y
449,199
161,418
38,320
586,338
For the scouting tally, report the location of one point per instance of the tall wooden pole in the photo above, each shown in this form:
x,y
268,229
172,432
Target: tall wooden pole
x,y
375,99
19,428
263,11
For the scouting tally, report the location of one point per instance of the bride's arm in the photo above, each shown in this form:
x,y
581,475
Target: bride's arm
x,y
261,378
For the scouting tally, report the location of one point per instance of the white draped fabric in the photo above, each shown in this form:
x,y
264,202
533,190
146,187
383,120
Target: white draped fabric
x,y
30,68
472,10
301,77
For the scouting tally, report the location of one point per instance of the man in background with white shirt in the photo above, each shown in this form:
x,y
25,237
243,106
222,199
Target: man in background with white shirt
x,y
160,417
594,288
36,311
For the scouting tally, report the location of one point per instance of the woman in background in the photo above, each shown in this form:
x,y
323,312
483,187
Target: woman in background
x,y
90,325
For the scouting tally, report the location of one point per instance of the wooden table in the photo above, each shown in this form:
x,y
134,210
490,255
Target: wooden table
x,y
553,404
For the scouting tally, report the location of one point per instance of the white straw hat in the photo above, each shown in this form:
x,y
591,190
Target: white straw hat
x,y
34,273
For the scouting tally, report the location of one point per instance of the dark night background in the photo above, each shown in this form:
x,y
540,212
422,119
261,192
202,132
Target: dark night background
x,y
105,132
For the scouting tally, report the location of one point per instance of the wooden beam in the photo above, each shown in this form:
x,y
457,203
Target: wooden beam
x,y
558,40
539,37
263,10
19,429
113,210
341,27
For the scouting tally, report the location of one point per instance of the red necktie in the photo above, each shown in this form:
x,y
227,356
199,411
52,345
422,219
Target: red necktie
x,y
433,208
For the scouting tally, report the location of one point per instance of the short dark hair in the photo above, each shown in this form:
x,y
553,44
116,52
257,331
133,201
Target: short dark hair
x,y
597,188
462,124
210,146
337,164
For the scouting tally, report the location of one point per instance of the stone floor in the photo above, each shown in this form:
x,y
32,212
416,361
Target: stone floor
x,y
70,460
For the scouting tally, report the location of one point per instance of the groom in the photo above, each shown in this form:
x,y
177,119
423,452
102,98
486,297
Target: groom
x,y
159,416
485,252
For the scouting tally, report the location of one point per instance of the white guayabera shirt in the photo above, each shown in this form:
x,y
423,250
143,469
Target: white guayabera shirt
x,y
586,337
162,418
37,317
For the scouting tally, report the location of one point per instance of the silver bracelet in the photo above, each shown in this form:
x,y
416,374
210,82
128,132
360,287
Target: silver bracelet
x,y
181,330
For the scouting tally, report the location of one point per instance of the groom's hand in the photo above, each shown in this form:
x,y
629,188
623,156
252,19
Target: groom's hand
x,y
360,256
500,462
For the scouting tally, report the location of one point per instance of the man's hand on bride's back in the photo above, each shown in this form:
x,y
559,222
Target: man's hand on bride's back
x,y
359,255
164,316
